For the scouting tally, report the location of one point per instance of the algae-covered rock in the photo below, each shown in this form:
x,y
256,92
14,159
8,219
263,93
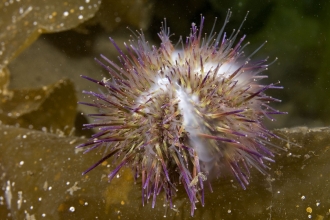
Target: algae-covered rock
x,y
41,179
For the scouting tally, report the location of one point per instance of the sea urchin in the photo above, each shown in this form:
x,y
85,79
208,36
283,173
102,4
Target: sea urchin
x,y
181,116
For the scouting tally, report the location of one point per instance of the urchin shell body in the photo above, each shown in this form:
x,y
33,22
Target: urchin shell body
x,y
182,116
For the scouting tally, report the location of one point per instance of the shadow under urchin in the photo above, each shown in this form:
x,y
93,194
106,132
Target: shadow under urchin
x,y
182,114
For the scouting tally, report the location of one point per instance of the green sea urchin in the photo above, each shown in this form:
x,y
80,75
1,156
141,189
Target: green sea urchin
x,y
182,116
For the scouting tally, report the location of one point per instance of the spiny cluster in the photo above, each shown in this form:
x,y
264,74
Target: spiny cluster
x,y
183,116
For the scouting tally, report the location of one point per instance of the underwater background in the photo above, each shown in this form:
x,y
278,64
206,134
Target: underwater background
x,y
46,46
